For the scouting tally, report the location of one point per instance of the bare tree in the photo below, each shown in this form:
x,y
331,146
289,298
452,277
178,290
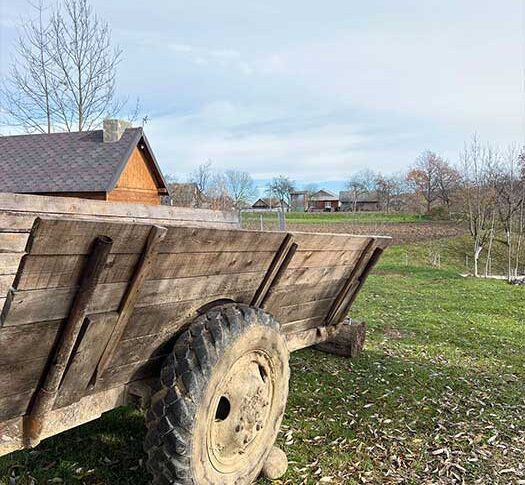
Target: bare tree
x,y
360,183
446,182
388,189
63,77
202,178
509,201
217,194
27,94
423,177
240,187
86,66
477,164
280,188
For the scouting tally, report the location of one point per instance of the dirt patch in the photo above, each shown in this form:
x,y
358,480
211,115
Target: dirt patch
x,y
402,233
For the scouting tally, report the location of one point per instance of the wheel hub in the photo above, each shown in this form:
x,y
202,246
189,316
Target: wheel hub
x,y
240,412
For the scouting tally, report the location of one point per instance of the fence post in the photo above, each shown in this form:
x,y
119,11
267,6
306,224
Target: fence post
x,y
282,221
262,223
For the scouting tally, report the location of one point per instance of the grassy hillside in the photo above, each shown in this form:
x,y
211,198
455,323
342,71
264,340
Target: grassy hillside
x,y
438,396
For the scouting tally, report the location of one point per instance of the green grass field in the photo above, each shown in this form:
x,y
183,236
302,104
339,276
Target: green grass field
x,y
438,396
335,217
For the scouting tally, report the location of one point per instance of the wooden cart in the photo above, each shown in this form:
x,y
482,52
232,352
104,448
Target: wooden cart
x,y
105,302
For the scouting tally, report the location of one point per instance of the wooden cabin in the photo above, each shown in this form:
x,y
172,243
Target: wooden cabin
x,y
112,164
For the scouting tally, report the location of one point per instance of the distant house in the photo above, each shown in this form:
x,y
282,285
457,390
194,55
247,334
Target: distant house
x,y
268,203
113,164
183,195
366,202
323,201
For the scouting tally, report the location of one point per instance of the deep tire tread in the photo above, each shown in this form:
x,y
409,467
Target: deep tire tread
x,y
183,379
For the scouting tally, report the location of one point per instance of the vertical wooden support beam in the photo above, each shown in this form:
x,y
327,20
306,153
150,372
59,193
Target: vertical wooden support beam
x,y
278,265
147,260
350,286
47,393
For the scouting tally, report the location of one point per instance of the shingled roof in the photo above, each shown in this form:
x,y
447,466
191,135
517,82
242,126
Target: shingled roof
x,y
68,162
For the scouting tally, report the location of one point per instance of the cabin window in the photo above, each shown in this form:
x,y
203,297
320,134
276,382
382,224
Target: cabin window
x,y
328,205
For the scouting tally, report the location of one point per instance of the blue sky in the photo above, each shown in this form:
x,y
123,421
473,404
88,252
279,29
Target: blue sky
x,y
314,89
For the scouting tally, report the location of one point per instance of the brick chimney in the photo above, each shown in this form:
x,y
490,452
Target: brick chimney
x,y
113,129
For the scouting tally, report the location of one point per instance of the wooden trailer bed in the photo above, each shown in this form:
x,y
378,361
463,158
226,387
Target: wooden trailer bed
x,y
159,274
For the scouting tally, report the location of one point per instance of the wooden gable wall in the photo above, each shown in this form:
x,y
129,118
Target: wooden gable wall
x,y
137,183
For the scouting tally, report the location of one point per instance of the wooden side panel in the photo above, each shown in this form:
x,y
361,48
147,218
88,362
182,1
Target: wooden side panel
x,y
56,237
33,306
195,266
75,383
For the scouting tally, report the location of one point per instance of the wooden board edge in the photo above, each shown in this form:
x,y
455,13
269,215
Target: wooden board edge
x,y
86,409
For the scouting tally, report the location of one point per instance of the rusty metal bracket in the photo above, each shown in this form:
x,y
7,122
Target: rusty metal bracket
x,y
47,393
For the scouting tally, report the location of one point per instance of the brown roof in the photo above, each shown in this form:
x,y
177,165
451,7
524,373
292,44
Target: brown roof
x,y
69,162
324,195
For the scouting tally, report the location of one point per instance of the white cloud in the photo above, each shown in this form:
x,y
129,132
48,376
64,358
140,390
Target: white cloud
x,y
315,89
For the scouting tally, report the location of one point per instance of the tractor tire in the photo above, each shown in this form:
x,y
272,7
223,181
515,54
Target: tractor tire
x,y
222,399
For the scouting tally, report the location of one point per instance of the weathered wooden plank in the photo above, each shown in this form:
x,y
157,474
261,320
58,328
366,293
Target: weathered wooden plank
x,y
14,405
53,304
37,340
313,276
76,380
9,263
40,272
143,348
171,316
13,242
295,294
15,222
89,408
17,344
131,295
304,324
63,205
19,377
5,283
22,221
116,376
333,242
321,259
50,236
290,313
